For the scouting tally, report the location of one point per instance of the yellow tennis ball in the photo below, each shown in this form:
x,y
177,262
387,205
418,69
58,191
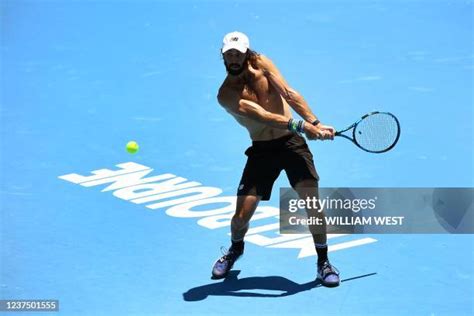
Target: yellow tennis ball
x,y
132,147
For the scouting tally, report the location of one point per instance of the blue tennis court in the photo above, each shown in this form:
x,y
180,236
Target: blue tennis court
x,y
79,79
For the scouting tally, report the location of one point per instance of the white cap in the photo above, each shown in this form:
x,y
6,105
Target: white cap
x,y
235,40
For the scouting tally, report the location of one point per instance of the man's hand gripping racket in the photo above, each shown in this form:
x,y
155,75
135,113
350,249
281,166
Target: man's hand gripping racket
x,y
375,132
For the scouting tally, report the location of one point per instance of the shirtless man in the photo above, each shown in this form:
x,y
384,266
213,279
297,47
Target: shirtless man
x,y
258,97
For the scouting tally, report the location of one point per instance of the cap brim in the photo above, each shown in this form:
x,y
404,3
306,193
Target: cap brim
x,y
236,46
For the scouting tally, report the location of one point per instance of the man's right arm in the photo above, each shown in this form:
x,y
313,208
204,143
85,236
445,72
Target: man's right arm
x,y
234,104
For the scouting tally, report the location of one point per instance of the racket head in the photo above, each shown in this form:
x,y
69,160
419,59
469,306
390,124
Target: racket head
x,y
376,132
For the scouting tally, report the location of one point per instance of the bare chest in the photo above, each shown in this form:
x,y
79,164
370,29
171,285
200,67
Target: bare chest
x,y
259,90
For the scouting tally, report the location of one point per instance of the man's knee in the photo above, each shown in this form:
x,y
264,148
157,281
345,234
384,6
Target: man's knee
x,y
246,206
307,189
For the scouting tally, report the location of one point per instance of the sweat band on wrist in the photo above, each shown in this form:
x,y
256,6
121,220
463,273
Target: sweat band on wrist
x,y
300,128
296,126
316,122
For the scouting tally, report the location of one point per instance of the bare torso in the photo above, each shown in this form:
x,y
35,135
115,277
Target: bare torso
x,y
257,88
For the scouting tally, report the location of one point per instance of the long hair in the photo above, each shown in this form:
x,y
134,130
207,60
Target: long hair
x,y
252,57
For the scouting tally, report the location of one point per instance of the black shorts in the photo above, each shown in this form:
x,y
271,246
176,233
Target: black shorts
x,y
266,159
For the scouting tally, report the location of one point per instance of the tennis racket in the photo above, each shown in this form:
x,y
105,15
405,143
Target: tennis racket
x,y
375,132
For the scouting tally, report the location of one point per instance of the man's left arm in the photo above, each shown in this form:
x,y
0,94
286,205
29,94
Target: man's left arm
x,y
294,99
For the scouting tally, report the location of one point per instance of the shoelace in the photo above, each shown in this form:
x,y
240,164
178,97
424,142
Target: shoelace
x,y
328,268
224,250
227,254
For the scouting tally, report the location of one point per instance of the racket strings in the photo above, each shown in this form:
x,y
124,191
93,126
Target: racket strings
x,y
377,132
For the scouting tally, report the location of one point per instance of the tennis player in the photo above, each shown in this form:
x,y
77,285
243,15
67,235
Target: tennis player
x,y
258,97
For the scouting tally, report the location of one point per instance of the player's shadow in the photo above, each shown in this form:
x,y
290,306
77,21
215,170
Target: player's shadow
x,y
232,286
